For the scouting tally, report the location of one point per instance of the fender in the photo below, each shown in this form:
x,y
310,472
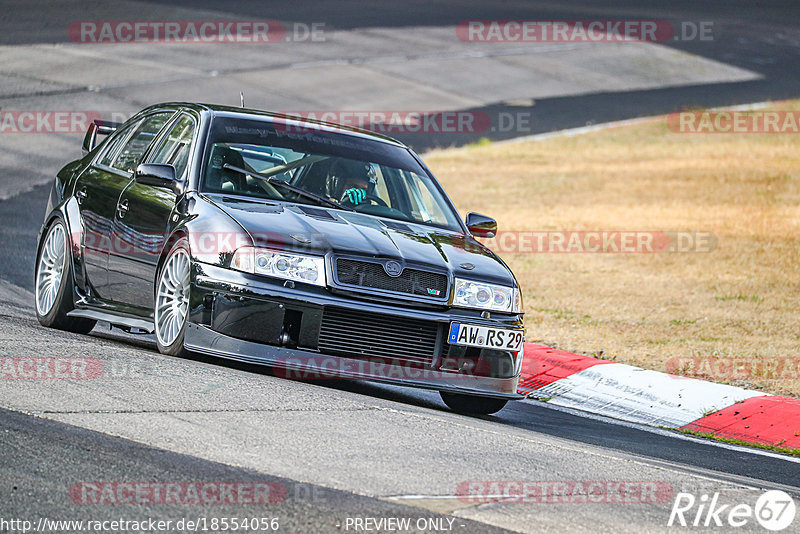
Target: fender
x,y
70,213
204,218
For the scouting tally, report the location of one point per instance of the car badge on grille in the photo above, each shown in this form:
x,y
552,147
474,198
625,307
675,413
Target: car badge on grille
x,y
434,292
393,268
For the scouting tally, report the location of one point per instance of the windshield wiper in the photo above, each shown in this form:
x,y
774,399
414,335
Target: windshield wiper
x,y
270,179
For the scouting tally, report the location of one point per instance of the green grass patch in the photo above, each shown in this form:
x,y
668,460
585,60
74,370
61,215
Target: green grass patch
x,y
741,298
483,141
557,313
733,441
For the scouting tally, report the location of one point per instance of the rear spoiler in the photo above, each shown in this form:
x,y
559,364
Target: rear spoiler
x,y
98,127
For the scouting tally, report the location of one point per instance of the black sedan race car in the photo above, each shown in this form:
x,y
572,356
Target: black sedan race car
x,y
320,250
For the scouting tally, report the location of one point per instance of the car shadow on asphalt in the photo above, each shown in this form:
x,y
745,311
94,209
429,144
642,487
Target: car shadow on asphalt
x,y
361,387
538,418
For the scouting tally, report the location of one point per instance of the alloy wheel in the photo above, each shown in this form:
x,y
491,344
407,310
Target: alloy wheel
x,y
50,268
172,297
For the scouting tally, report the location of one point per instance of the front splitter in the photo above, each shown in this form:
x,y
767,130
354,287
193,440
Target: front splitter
x,y
302,364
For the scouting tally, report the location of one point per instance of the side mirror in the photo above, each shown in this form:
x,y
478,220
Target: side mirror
x,y
157,175
481,225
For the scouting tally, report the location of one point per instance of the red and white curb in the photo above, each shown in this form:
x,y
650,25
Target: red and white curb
x,y
648,397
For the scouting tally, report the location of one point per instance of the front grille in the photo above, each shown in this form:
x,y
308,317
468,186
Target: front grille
x,y
373,276
357,334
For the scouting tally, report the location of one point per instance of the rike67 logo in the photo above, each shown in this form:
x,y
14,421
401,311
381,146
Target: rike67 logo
x,y
774,510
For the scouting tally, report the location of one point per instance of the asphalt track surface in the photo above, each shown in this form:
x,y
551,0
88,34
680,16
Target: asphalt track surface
x,y
341,449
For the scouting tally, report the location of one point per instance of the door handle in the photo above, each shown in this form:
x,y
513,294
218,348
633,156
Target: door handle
x,y
81,195
122,208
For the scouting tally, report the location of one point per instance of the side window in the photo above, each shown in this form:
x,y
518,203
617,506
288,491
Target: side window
x,y
134,149
113,147
424,206
174,150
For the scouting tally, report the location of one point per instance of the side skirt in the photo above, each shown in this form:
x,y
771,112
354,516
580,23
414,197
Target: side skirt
x,y
115,320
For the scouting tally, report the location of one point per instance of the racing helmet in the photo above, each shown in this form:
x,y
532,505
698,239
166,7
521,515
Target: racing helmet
x,y
220,179
345,171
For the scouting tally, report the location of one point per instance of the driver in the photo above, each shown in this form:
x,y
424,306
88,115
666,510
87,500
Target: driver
x,y
351,182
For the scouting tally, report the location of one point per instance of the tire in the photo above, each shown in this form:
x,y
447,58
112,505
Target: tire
x,y
471,404
53,282
172,300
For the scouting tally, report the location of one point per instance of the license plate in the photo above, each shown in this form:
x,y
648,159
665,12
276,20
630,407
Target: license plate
x,y
488,337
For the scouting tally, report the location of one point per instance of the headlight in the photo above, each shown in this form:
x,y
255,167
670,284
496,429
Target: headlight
x,y
288,266
482,296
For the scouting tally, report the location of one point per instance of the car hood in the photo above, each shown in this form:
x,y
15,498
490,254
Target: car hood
x,y
323,231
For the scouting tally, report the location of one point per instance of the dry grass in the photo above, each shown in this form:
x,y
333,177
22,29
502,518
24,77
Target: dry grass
x,y
739,302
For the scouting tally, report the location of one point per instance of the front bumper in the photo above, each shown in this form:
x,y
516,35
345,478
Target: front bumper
x,y
259,320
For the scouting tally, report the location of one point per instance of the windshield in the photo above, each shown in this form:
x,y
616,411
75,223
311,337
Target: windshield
x,y
248,158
